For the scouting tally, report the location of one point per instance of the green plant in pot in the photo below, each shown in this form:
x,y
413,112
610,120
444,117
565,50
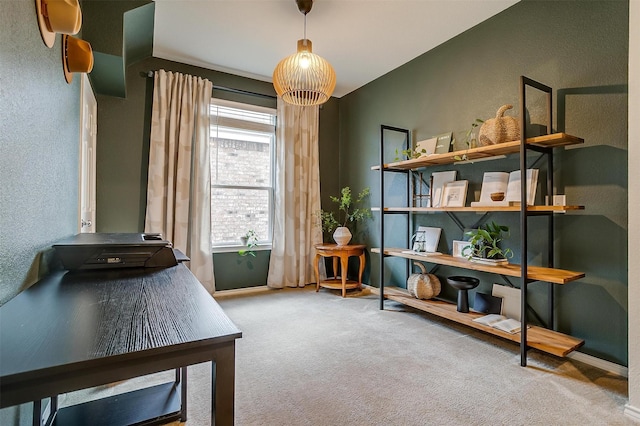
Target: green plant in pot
x,y
250,241
350,212
485,244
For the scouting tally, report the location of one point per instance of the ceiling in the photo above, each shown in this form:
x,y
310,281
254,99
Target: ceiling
x,y
362,39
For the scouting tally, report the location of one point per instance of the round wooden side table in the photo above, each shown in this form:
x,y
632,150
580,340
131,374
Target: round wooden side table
x,y
342,253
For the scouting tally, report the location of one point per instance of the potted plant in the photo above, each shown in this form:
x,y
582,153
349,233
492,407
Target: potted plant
x,y
484,244
349,213
470,139
250,241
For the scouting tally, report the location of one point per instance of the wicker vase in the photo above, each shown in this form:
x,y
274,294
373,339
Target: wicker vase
x,y
423,285
500,129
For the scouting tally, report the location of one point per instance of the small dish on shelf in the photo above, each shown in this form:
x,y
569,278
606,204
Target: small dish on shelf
x,y
497,196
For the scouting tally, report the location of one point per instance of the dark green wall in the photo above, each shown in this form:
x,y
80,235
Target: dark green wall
x,y
39,144
123,127
580,49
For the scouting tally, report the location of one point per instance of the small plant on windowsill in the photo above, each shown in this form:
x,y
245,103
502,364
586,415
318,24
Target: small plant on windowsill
x,y
250,241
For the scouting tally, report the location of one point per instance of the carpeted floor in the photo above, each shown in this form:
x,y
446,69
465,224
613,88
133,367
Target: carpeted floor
x,y
311,358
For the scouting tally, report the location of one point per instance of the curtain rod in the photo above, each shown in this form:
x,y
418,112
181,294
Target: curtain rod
x,y
232,90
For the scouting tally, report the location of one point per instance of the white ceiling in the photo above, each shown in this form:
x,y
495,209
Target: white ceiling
x,y
362,39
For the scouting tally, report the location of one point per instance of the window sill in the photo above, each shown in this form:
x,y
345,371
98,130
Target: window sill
x,y
236,248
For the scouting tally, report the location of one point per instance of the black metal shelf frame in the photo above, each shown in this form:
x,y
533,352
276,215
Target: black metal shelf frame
x,y
524,213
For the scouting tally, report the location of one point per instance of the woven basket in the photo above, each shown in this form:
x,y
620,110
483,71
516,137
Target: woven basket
x,y
423,285
500,129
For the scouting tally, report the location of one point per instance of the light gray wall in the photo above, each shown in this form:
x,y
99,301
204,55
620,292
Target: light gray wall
x,y
581,50
39,144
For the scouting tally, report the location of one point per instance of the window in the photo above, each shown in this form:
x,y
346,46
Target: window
x,y
242,166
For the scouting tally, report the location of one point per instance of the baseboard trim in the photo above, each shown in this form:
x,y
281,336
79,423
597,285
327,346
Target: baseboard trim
x,y
600,363
633,412
240,291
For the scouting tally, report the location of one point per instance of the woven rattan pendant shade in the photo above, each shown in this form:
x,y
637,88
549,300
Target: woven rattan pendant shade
x,y
304,78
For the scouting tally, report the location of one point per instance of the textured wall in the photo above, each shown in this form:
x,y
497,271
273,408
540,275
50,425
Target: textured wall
x,y
473,74
39,143
634,207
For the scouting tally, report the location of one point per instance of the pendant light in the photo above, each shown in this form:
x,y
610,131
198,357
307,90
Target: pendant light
x,y
304,78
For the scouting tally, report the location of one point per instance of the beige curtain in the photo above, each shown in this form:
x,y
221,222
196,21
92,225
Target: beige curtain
x,y
179,189
297,197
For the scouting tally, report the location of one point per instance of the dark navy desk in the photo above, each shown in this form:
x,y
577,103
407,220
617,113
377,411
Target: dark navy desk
x,y
74,330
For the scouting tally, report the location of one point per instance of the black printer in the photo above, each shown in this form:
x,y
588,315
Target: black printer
x,y
115,250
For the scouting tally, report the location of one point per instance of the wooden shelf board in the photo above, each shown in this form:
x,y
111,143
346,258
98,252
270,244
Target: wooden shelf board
x,y
546,141
540,338
536,209
535,273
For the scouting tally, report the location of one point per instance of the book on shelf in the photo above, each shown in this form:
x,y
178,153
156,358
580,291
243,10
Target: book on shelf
x,y
500,322
509,184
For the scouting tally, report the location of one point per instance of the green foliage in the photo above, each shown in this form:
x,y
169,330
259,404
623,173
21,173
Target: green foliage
x,y
468,138
250,240
409,154
485,242
349,210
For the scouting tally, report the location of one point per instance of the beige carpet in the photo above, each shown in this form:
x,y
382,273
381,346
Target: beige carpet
x,y
311,358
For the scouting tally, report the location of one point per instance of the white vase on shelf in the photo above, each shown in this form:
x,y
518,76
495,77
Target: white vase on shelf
x,y
342,236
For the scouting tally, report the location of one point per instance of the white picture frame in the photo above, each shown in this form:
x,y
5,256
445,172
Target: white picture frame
x,y
454,193
438,180
459,247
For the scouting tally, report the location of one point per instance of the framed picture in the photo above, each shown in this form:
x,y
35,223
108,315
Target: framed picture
x,y
458,248
443,144
438,180
455,193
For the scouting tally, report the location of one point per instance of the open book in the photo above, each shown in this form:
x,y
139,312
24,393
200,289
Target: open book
x,y
500,322
509,184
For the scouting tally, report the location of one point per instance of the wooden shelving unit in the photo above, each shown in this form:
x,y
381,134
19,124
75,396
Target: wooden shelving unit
x,y
545,339
535,273
483,152
540,338
515,208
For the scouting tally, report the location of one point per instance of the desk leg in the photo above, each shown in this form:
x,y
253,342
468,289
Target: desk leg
x,y
37,413
344,264
183,394
223,376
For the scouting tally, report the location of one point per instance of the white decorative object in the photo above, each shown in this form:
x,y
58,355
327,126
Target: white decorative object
x,y
342,235
426,147
509,184
438,180
458,248
455,194
430,238
510,300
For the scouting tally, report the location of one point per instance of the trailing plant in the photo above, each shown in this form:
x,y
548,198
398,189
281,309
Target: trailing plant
x,y
349,210
468,139
409,154
250,240
485,242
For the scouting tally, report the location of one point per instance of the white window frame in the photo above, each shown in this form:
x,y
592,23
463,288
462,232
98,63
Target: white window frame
x,y
248,125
